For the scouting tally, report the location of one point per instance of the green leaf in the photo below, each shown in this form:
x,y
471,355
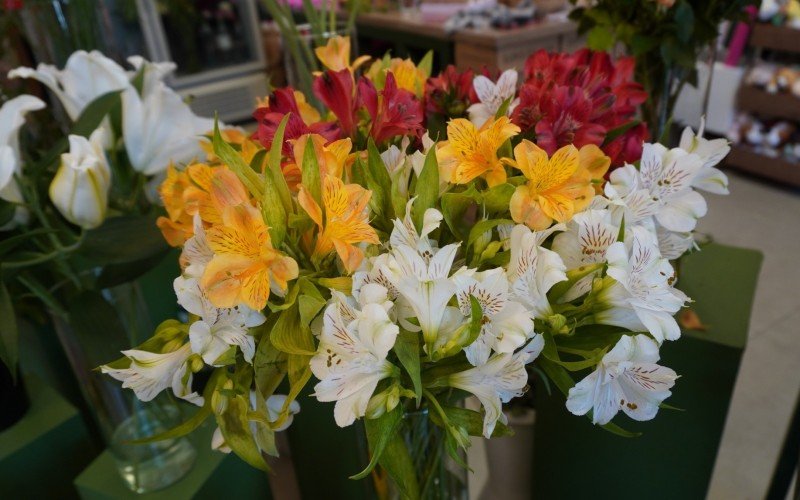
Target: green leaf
x,y
236,163
498,198
309,309
310,173
398,199
684,21
557,374
641,44
600,38
9,334
117,274
407,349
380,432
269,366
180,430
289,337
97,327
235,427
455,207
7,211
290,298
396,460
619,431
426,64
470,420
274,164
13,242
427,189
575,366
122,240
483,226
379,183
573,276
619,131
503,109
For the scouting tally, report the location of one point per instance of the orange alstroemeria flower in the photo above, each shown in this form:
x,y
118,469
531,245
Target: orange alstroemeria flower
x,y
345,223
177,226
470,153
245,266
557,187
335,55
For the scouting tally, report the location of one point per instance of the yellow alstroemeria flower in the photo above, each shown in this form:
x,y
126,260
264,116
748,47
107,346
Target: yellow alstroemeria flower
x,y
335,55
406,74
346,220
470,153
177,227
245,265
557,187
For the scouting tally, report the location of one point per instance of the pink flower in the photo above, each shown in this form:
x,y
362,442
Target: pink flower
x,y
394,111
336,90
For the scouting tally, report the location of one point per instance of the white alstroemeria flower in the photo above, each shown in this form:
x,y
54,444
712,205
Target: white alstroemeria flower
x,y
405,233
711,152
628,379
351,357
588,236
160,128
12,118
662,187
492,95
498,381
85,77
217,329
196,253
274,405
150,373
506,323
425,285
398,163
533,270
80,187
641,296
672,244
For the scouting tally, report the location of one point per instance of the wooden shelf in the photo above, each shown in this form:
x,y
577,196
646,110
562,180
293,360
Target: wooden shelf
x,y
769,36
780,170
762,103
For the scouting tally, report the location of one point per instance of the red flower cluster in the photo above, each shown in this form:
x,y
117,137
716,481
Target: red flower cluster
x,y
450,94
281,102
578,99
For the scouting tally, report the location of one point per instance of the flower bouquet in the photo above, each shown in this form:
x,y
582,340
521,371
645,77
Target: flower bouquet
x,y
407,271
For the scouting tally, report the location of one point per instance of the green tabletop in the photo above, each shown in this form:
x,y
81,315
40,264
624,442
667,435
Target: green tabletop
x,y
674,456
33,451
214,475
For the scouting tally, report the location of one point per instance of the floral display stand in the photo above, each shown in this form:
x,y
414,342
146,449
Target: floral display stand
x,y
674,457
214,475
38,445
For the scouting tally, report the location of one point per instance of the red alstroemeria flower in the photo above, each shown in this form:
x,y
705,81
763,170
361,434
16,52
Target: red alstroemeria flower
x,y
393,111
450,93
337,90
567,119
281,102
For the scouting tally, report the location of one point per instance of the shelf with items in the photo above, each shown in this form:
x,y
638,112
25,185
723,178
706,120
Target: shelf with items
x,y
746,159
770,36
774,105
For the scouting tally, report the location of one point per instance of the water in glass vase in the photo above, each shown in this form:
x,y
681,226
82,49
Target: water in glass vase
x,y
152,466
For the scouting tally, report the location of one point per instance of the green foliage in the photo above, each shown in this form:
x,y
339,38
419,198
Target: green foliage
x,y
379,182
407,348
9,334
427,190
123,240
469,420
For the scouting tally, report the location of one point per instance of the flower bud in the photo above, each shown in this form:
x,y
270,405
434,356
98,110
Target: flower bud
x,y
80,187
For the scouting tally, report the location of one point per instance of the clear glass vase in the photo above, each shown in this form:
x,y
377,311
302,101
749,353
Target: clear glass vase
x,y
117,414
439,477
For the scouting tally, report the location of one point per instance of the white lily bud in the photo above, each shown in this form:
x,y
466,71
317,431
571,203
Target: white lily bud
x,y
80,187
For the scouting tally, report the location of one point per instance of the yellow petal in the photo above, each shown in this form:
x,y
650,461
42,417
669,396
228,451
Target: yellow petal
x,y
594,160
221,281
351,255
557,206
308,113
525,209
530,159
335,55
227,190
255,289
308,203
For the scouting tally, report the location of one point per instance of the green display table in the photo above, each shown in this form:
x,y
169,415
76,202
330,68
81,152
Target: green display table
x,y
214,475
33,451
674,456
